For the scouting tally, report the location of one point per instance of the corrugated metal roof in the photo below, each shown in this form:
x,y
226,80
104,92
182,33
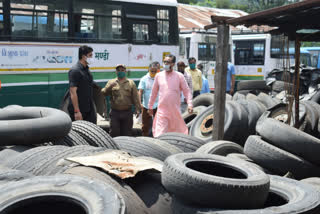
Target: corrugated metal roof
x,y
196,17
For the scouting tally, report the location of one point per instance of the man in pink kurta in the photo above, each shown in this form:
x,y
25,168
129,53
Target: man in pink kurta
x,y
168,85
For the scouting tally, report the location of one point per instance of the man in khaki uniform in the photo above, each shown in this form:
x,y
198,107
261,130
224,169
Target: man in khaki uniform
x,y
123,93
196,76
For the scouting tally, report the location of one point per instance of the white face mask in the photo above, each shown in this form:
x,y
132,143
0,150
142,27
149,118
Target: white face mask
x,y
90,61
166,67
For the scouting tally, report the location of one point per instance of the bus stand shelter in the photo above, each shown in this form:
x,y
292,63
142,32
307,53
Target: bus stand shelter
x,y
298,21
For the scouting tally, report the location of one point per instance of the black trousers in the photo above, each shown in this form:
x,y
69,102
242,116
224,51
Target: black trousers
x,y
87,116
196,93
121,123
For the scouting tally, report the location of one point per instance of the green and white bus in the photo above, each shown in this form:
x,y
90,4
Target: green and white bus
x,y
39,41
255,55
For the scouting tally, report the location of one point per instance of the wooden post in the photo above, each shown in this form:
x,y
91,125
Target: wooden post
x,y
220,81
297,81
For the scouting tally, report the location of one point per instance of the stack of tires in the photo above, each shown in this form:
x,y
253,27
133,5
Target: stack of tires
x,y
281,148
241,116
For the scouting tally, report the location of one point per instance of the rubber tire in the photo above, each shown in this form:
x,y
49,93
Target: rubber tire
x,y
8,175
48,164
234,122
11,151
32,125
134,205
91,195
290,139
243,157
148,187
252,85
312,118
254,113
140,147
279,86
316,106
314,181
72,139
189,118
28,159
215,191
184,142
238,128
268,101
301,199
278,160
238,96
240,156
222,148
93,134
282,109
164,144
251,96
316,98
206,99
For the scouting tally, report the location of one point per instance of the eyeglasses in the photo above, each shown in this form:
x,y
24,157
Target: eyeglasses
x,y
167,61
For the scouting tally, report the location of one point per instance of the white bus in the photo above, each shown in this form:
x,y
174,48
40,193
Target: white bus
x,y
202,46
255,55
39,41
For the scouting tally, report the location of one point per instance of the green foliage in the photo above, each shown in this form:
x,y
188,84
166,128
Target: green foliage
x,y
188,1
249,6
310,44
223,4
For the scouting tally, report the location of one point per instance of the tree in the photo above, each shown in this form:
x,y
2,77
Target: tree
x,y
207,3
188,1
223,4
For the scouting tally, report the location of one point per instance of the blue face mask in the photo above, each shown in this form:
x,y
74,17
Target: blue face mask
x,y
121,74
192,66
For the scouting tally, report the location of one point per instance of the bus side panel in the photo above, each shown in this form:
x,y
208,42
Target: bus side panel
x,y
34,95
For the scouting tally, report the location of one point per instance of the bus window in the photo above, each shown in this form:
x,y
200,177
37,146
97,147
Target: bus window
x,y
39,19
140,32
182,46
163,25
206,51
279,46
249,52
188,45
94,20
1,19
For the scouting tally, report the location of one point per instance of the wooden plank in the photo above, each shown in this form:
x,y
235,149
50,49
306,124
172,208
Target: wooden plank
x,y
220,82
297,81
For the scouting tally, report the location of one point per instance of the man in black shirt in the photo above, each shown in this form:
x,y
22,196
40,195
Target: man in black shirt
x,y
81,105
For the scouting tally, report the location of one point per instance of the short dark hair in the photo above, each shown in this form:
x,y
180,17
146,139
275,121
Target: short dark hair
x,y
200,66
84,51
181,63
173,58
191,58
154,65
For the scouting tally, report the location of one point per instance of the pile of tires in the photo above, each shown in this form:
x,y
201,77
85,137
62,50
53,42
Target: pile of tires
x,y
241,116
282,149
238,175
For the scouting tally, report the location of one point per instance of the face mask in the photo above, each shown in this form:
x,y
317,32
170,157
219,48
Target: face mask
x,y
121,74
192,66
152,75
90,61
166,67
